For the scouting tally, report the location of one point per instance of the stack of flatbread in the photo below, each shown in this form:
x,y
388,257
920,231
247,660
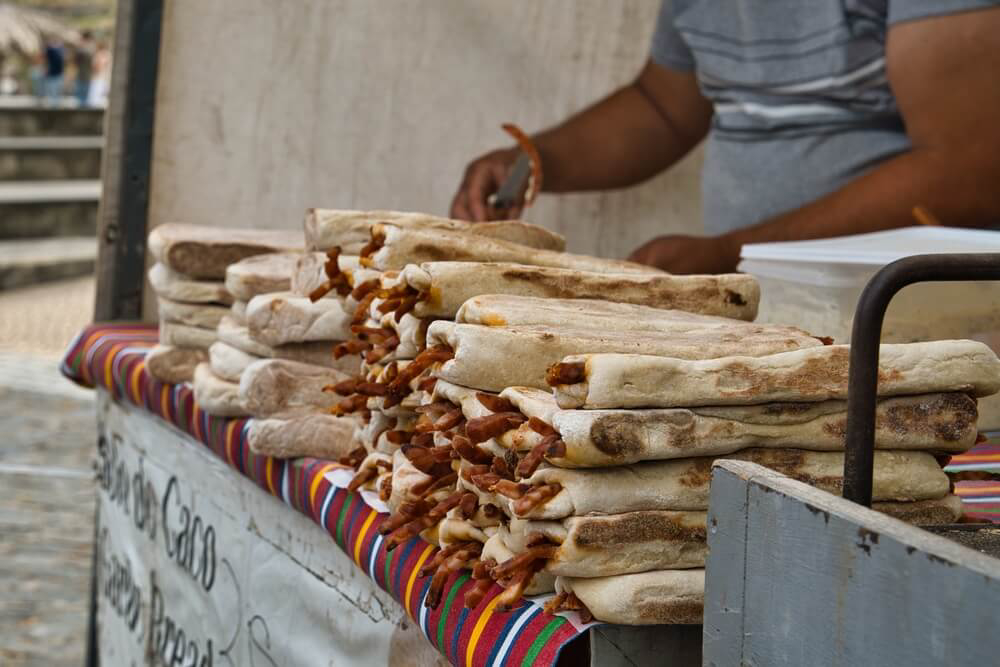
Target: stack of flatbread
x,y
188,278
588,473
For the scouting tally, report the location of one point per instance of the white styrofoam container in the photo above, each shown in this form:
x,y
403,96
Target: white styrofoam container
x,y
816,285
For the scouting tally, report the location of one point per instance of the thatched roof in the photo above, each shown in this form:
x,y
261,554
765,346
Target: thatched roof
x,y
25,30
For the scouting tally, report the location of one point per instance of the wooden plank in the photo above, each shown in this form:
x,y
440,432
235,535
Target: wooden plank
x,y
833,583
727,525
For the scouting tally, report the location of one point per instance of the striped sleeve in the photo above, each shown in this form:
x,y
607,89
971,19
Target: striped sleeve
x,y
669,48
912,10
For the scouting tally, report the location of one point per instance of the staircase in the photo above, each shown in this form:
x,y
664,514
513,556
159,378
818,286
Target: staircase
x,y
50,163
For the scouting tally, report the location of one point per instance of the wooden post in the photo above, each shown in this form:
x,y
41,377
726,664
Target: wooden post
x,y
128,153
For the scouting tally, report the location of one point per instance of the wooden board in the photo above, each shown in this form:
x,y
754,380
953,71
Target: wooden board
x,y
796,576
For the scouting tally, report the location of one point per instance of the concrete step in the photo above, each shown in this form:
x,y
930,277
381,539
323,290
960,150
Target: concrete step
x,y
33,209
50,158
29,261
27,121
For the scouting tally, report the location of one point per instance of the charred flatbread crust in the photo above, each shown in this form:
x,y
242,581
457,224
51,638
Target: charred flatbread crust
x,y
203,252
321,436
351,230
174,365
261,274
412,245
670,597
483,354
807,375
594,438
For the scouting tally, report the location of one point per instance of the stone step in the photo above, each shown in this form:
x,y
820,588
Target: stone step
x,y
29,261
50,158
32,209
29,121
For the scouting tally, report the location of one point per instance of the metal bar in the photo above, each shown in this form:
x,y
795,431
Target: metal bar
x,y
862,381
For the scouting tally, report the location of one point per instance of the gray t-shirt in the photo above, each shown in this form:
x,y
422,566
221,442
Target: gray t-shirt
x,y
802,101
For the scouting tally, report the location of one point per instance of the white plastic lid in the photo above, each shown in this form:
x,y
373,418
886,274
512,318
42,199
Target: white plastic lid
x,y
878,248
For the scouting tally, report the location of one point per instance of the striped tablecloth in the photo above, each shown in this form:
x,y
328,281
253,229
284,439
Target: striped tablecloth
x,y
113,356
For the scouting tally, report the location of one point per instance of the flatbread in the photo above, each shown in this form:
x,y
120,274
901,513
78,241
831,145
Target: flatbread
x,y
171,285
495,548
282,388
605,545
322,436
319,353
201,315
238,311
227,362
203,252
398,246
611,437
505,310
173,365
483,355
599,546
182,335
813,374
683,484
215,395
449,285
261,274
351,230
669,597
280,318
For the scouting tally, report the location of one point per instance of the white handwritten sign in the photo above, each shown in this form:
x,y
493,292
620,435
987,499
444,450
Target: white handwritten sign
x,y
198,567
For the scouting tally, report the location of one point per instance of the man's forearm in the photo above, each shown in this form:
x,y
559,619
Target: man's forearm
x,y
628,137
959,191
618,142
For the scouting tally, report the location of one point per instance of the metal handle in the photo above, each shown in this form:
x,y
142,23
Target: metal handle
x,y
865,338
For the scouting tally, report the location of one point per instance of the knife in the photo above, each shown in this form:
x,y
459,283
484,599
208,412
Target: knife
x,y
513,187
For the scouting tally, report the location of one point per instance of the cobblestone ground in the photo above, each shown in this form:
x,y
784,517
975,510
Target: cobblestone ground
x,y
48,432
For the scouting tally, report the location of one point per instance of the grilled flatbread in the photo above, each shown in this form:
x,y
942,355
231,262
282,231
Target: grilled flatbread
x,y
318,435
215,395
393,247
261,274
183,335
483,355
171,285
227,362
203,253
445,286
814,374
611,437
280,318
174,365
683,484
282,388
351,230
318,353
674,597
201,315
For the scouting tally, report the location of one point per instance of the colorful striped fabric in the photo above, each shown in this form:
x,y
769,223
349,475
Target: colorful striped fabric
x,y
113,356
981,498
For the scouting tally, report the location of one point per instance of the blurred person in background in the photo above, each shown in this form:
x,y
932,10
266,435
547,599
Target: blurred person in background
x,y
83,62
55,70
101,81
822,119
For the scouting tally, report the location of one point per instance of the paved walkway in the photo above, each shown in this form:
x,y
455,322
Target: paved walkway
x,y
48,439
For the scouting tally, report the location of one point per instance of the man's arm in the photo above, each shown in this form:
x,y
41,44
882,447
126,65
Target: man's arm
x,y
944,74
631,135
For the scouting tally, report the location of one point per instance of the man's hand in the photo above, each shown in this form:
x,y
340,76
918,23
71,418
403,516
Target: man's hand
x,y
681,254
483,177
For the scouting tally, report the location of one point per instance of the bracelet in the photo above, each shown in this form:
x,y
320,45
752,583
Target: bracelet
x,y
527,146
